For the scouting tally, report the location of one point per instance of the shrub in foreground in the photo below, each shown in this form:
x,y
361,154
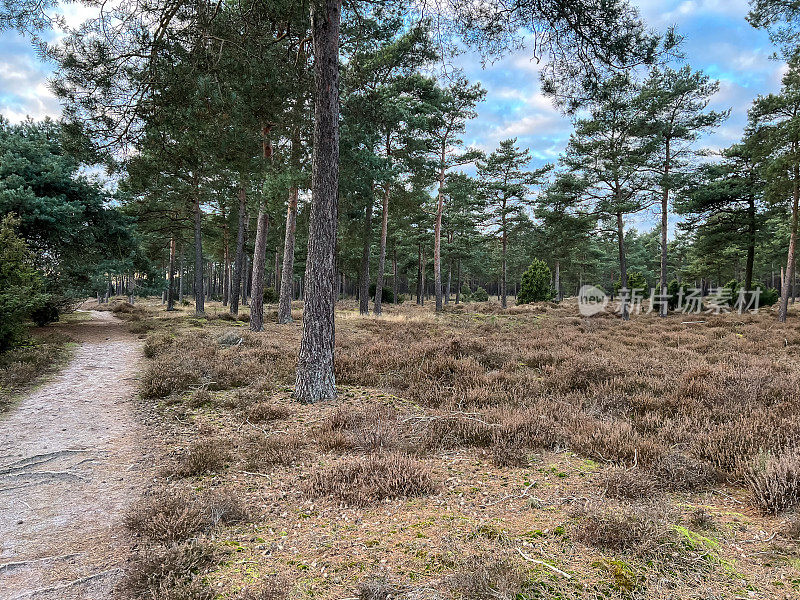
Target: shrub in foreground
x,y
775,481
367,480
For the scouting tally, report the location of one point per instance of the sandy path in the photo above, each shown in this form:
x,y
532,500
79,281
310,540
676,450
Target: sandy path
x,y
71,461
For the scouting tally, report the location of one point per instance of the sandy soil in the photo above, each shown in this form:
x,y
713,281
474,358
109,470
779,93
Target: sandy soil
x,y
72,458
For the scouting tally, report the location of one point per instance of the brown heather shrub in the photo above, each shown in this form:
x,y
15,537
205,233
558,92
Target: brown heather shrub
x,y
633,484
207,455
224,507
458,430
775,481
611,440
634,529
681,473
267,411
167,516
507,454
265,452
171,573
377,588
367,429
167,374
701,519
269,588
791,529
366,480
487,578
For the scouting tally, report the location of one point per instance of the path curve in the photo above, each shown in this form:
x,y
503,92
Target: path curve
x,y
72,459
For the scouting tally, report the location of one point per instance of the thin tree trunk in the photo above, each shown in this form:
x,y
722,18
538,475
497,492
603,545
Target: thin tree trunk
x,y
449,279
315,375
363,296
437,234
238,260
503,293
199,294
181,269
784,308
171,286
419,274
394,275
378,305
751,243
623,265
257,277
458,282
287,277
664,215
558,281
226,258
260,248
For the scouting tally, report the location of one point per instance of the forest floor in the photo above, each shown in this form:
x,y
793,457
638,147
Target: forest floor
x,y
480,453
72,460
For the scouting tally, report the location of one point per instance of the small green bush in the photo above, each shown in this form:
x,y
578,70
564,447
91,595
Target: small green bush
x,y
466,294
480,295
535,285
768,297
270,295
636,281
387,297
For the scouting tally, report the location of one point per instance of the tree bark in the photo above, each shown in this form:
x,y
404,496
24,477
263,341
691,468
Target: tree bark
x,y
503,293
437,233
257,278
458,282
238,261
260,248
786,284
558,280
623,265
664,215
287,277
180,275
363,296
378,306
751,243
394,275
226,258
315,371
199,293
171,286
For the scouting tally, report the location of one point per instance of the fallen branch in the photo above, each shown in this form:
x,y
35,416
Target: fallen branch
x,y
544,564
63,586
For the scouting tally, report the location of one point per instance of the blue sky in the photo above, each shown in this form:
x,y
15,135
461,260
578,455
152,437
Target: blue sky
x,y
718,40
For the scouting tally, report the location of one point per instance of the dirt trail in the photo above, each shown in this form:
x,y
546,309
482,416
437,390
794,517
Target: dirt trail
x,y
72,458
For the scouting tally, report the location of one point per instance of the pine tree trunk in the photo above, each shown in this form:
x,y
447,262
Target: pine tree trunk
x,y
315,371
171,286
503,293
623,265
437,235
458,282
449,279
199,292
378,306
751,243
287,277
419,274
664,215
260,248
394,275
786,284
181,270
363,296
558,281
226,258
238,260
257,278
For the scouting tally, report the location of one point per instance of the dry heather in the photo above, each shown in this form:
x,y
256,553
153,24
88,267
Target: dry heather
x,y
528,453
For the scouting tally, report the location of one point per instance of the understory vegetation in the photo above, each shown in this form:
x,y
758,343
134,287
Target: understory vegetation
x,y
481,453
